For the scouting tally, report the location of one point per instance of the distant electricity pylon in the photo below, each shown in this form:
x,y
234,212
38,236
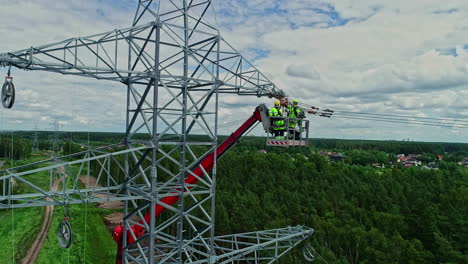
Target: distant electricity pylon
x,y
55,142
35,146
174,66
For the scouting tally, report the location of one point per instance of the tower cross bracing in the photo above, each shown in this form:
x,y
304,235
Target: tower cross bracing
x,y
174,66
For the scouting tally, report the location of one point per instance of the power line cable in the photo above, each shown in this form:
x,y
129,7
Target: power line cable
x,y
334,112
404,116
453,123
400,121
393,118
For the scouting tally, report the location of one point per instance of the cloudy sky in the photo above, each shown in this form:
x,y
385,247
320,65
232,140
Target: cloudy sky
x,y
373,56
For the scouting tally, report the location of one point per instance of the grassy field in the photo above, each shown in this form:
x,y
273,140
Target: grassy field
x,y
17,231
92,241
19,226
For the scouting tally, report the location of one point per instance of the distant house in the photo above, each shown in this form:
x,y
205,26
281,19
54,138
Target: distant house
x,y
402,159
262,151
408,161
465,162
440,157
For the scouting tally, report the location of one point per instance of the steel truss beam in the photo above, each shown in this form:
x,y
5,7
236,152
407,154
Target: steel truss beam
x,y
103,56
71,171
253,247
174,65
258,247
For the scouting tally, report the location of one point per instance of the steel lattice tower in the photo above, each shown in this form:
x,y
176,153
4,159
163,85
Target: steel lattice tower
x,y
54,140
35,146
174,65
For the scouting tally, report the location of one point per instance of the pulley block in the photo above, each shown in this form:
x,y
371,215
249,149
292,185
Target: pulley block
x,y
64,231
309,253
8,93
64,234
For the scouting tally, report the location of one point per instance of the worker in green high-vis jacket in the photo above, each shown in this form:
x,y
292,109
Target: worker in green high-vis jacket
x,y
295,115
277,120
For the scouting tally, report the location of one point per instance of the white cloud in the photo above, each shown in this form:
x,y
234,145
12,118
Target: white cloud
x,y
303,71
44,97
395,59
379,56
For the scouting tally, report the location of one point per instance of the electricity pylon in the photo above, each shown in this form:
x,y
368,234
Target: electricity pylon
x,y
54,140
35,146
174,66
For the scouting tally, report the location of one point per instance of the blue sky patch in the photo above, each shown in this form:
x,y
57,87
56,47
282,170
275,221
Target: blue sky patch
x,y
260,54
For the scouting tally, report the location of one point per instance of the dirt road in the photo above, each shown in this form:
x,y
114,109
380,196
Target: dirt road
x,y
113,219
36,247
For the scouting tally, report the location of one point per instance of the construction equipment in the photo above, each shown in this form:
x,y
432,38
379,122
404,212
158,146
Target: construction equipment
x,y
260,115
294,137
8,91
173,66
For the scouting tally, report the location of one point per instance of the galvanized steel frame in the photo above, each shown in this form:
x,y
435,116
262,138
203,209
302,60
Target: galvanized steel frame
x,y
174,65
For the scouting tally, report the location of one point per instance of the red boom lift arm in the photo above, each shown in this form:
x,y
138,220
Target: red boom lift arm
x,y
207,164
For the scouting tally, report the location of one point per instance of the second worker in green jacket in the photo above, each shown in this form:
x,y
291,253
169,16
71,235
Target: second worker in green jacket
x,y
295,115
277,120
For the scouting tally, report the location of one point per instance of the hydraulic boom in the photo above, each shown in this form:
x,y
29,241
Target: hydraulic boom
x,y
205,165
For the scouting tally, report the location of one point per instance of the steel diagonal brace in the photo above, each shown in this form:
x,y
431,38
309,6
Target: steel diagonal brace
x,y
140,104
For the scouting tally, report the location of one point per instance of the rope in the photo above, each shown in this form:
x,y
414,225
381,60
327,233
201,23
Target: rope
x,y
68,250
321,257
86,206
67,216
12,210
309,253
13,228
85,230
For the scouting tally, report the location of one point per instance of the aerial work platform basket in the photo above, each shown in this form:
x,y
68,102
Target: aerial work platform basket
x,y
293,137
294,132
